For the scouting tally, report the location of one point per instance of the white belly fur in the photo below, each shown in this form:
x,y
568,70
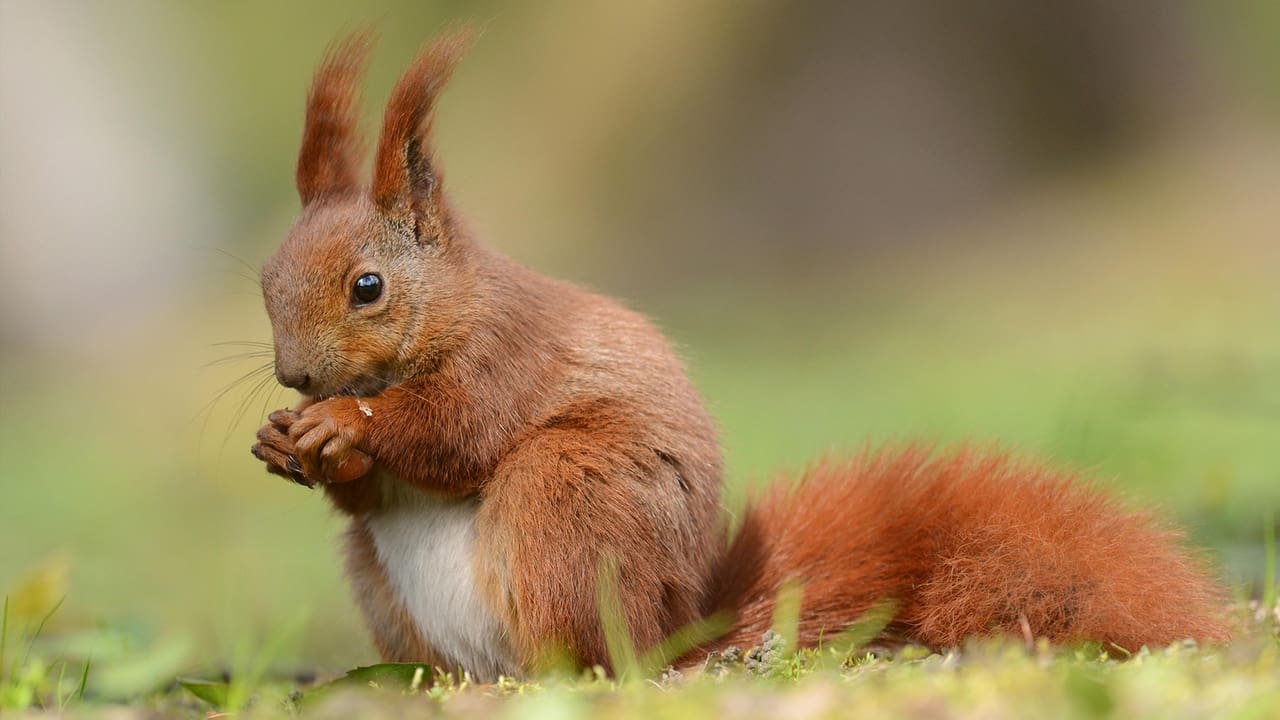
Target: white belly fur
x,y
427,546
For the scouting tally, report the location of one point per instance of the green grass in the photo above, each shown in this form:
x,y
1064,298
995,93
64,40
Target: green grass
x,y
983,679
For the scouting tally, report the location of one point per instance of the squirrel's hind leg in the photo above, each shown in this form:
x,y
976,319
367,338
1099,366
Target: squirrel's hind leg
x,y
566,506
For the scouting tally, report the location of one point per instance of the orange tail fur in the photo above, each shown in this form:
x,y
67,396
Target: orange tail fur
x,y
965,545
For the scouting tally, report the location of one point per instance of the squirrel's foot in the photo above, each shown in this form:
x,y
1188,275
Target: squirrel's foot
x,y
326,435
276,449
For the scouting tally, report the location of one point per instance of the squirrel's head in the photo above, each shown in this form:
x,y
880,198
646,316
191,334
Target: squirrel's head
x,y
371,281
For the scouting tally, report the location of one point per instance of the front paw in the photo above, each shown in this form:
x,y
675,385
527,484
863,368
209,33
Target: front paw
x,y
277,450
326,437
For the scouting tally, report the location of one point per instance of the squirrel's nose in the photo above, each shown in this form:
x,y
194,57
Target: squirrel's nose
x,y
296,379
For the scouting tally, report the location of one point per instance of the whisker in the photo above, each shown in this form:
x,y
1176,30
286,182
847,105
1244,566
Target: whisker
x,y
238,415
404,389
265,371
250,278
266,402
243,294
254,275
244,405
221,392
242,343
238,357
347,367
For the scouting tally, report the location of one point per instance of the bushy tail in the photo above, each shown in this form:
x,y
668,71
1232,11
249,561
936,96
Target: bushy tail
x,y
965,545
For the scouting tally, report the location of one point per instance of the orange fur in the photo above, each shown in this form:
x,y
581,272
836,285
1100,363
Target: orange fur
x,y
328,163
406,181
558,433
965,544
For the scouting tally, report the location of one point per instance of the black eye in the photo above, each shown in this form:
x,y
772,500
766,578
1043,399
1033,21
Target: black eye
x,y
368,288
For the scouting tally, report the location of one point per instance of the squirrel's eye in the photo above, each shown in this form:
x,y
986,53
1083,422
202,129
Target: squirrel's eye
x,y
368,288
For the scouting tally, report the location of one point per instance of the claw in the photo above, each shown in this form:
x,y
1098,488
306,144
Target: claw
x,y
295,472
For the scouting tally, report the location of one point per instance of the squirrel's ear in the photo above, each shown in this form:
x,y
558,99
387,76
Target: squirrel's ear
x,y
406,183
329,161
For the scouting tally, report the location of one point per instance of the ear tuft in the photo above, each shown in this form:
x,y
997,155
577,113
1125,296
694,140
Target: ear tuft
x,y
406,184
329,160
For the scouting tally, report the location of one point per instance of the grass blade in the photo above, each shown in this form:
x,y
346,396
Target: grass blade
x,y
683,641
786,614
57,689
617,636
4,638
40,628
1269,573
213,692
397,677
863,631
84,679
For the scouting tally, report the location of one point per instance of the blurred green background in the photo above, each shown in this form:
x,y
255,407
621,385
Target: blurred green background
x,y
1050,227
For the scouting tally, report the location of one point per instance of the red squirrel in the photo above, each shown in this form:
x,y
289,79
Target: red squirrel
x,y
495,436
